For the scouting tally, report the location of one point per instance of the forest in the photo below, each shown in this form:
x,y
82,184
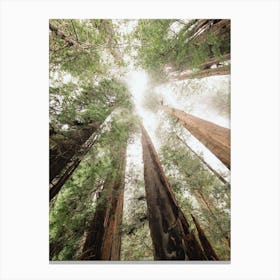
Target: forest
x,y
139,140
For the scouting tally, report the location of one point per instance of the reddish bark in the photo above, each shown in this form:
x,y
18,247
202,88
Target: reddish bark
x,y
207,247
103,239
216,138
172,239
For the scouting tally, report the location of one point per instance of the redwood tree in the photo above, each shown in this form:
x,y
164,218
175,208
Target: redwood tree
x,y
171,236
207,247
103,238
216,138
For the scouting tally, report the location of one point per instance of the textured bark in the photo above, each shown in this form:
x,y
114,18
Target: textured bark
x,y
207,247
57,185
216,138
69,147
103,239
220,177
172,239
59,181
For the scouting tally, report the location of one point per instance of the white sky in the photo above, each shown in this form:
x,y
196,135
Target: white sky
x,y
196,104
138,83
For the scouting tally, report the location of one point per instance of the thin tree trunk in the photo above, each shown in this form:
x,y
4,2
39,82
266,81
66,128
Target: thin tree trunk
x,y
216,138
207,247
69,147
59,181
213,61
112,239
220,177
206,203
218,28
223,70
103,239
172,239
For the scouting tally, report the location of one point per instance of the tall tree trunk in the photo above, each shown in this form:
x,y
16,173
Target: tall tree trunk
x,y
68,147
216,138
172,239
206,203
71,166
219,176
207,247
103,239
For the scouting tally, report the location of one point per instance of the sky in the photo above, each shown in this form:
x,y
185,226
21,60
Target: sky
x,y
193,97
197,103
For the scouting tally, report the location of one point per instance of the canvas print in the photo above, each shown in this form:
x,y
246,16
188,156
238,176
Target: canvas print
x,y
139,140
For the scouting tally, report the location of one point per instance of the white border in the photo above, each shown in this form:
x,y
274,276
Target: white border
x,y
254,124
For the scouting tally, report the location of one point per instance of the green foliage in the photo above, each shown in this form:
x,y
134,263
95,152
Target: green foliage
x,y
83,91
74,206
83,47
136,241
160,45
187,176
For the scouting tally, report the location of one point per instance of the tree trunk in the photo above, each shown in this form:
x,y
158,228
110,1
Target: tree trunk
x,y
207,247
103,239
213,61
69,147
216,138
219,176
214,27
208,204
59,181
172,239
223,70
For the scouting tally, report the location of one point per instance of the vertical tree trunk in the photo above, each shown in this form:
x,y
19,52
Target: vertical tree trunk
x,y
207,247
220,177
103,239
172,239
69,147
208,204
71,166
216,138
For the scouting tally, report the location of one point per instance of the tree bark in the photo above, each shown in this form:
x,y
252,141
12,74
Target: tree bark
x,y
219,176
59,181
215,27
103,239
206,203
69,147
172,239
216,138
207,247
